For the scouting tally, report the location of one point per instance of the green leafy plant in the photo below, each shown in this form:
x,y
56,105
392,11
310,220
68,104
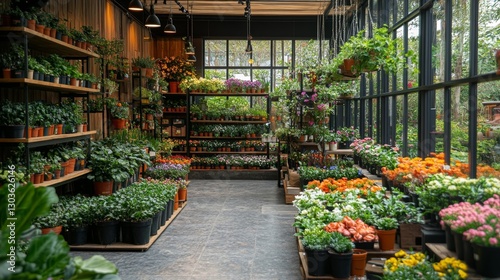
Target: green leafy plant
x,y
386,223
340,243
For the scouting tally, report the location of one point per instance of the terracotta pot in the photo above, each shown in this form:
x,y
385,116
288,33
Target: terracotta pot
x,y
103,188
176,201
31,24
358,263
40,28
37,178
65,38
118,123
73,82
7,73
71,166
182,194
386,239
57,173
46,31
59,128
53,32
85,127
173,87
149,72
57,230
30,132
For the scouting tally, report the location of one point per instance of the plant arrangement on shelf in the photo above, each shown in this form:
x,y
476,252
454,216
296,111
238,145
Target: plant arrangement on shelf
x,y
176,68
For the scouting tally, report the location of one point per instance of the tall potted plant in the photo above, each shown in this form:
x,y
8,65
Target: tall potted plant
x,y
106,168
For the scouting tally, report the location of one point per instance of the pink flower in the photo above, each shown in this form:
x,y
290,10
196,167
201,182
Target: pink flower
x,y
493,241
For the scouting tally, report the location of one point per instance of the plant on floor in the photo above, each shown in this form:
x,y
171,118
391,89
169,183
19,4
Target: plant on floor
x,y
51,219
77,212
316,239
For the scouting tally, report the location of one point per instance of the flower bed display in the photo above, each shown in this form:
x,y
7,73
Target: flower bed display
x,y
331,185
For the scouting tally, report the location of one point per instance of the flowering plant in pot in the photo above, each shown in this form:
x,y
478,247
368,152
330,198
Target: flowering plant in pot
x,y
386,231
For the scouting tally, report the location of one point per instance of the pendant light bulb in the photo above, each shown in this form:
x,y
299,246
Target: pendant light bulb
x,y
152,21
189,48
135,5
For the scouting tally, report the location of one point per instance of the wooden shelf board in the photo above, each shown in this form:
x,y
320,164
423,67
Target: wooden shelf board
x,y
254,153
118,246
229,122
174,94
63,179
229,94
225,138
341,152
43,42
179,152
234,170
48,85
47,138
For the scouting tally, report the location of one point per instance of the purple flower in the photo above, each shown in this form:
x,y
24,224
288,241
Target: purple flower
x,y
314,96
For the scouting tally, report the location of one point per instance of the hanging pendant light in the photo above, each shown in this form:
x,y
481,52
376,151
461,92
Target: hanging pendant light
x,y
152,21
249,48
189,47
191,58
170,27
135,5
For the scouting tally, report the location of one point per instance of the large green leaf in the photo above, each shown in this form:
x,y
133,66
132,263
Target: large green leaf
x,y
47,255
95,267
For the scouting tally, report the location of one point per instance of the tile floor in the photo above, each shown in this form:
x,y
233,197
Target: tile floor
x,y
229,229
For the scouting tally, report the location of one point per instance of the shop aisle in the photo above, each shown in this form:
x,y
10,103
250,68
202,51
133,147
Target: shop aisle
x,y
230,229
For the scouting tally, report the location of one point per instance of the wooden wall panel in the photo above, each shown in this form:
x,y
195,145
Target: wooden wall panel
x,y
167,47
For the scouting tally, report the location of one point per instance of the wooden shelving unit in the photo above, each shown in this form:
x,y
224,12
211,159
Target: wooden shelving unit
x,y
65,179
48,85
42,41
215,152
69,137
228,122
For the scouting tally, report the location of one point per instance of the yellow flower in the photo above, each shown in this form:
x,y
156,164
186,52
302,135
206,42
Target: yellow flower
x,y
400,254
462,274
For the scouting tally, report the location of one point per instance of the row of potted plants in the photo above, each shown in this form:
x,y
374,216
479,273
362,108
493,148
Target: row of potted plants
x,y
228,114
214,85
236,131
46,119
50,25
232,162
472,232
133,214
227,146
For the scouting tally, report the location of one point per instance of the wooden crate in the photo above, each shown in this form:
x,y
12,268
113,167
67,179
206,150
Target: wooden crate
x,y
410,236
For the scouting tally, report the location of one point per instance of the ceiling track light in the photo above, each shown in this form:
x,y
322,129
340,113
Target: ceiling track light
x,y
181,8
136,6
170,27
152,21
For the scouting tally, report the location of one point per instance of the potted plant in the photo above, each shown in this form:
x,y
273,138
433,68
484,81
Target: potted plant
x,y
104,216
146,65
316,242
119,113
76,219
12,119
340,255
52,221
386,231
105,168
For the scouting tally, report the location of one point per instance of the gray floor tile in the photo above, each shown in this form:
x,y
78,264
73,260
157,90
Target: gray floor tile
x,y
229,230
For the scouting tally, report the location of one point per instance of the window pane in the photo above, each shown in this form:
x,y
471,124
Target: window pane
x,y
237,55
215,73
488,34
282,53
215,53
438,60
413,45
460,43
242,74
261,53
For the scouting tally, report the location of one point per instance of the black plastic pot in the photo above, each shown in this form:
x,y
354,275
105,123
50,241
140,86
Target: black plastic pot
x,y
164,213
155,223
106,232
76,236
340,264
13,131
136,232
